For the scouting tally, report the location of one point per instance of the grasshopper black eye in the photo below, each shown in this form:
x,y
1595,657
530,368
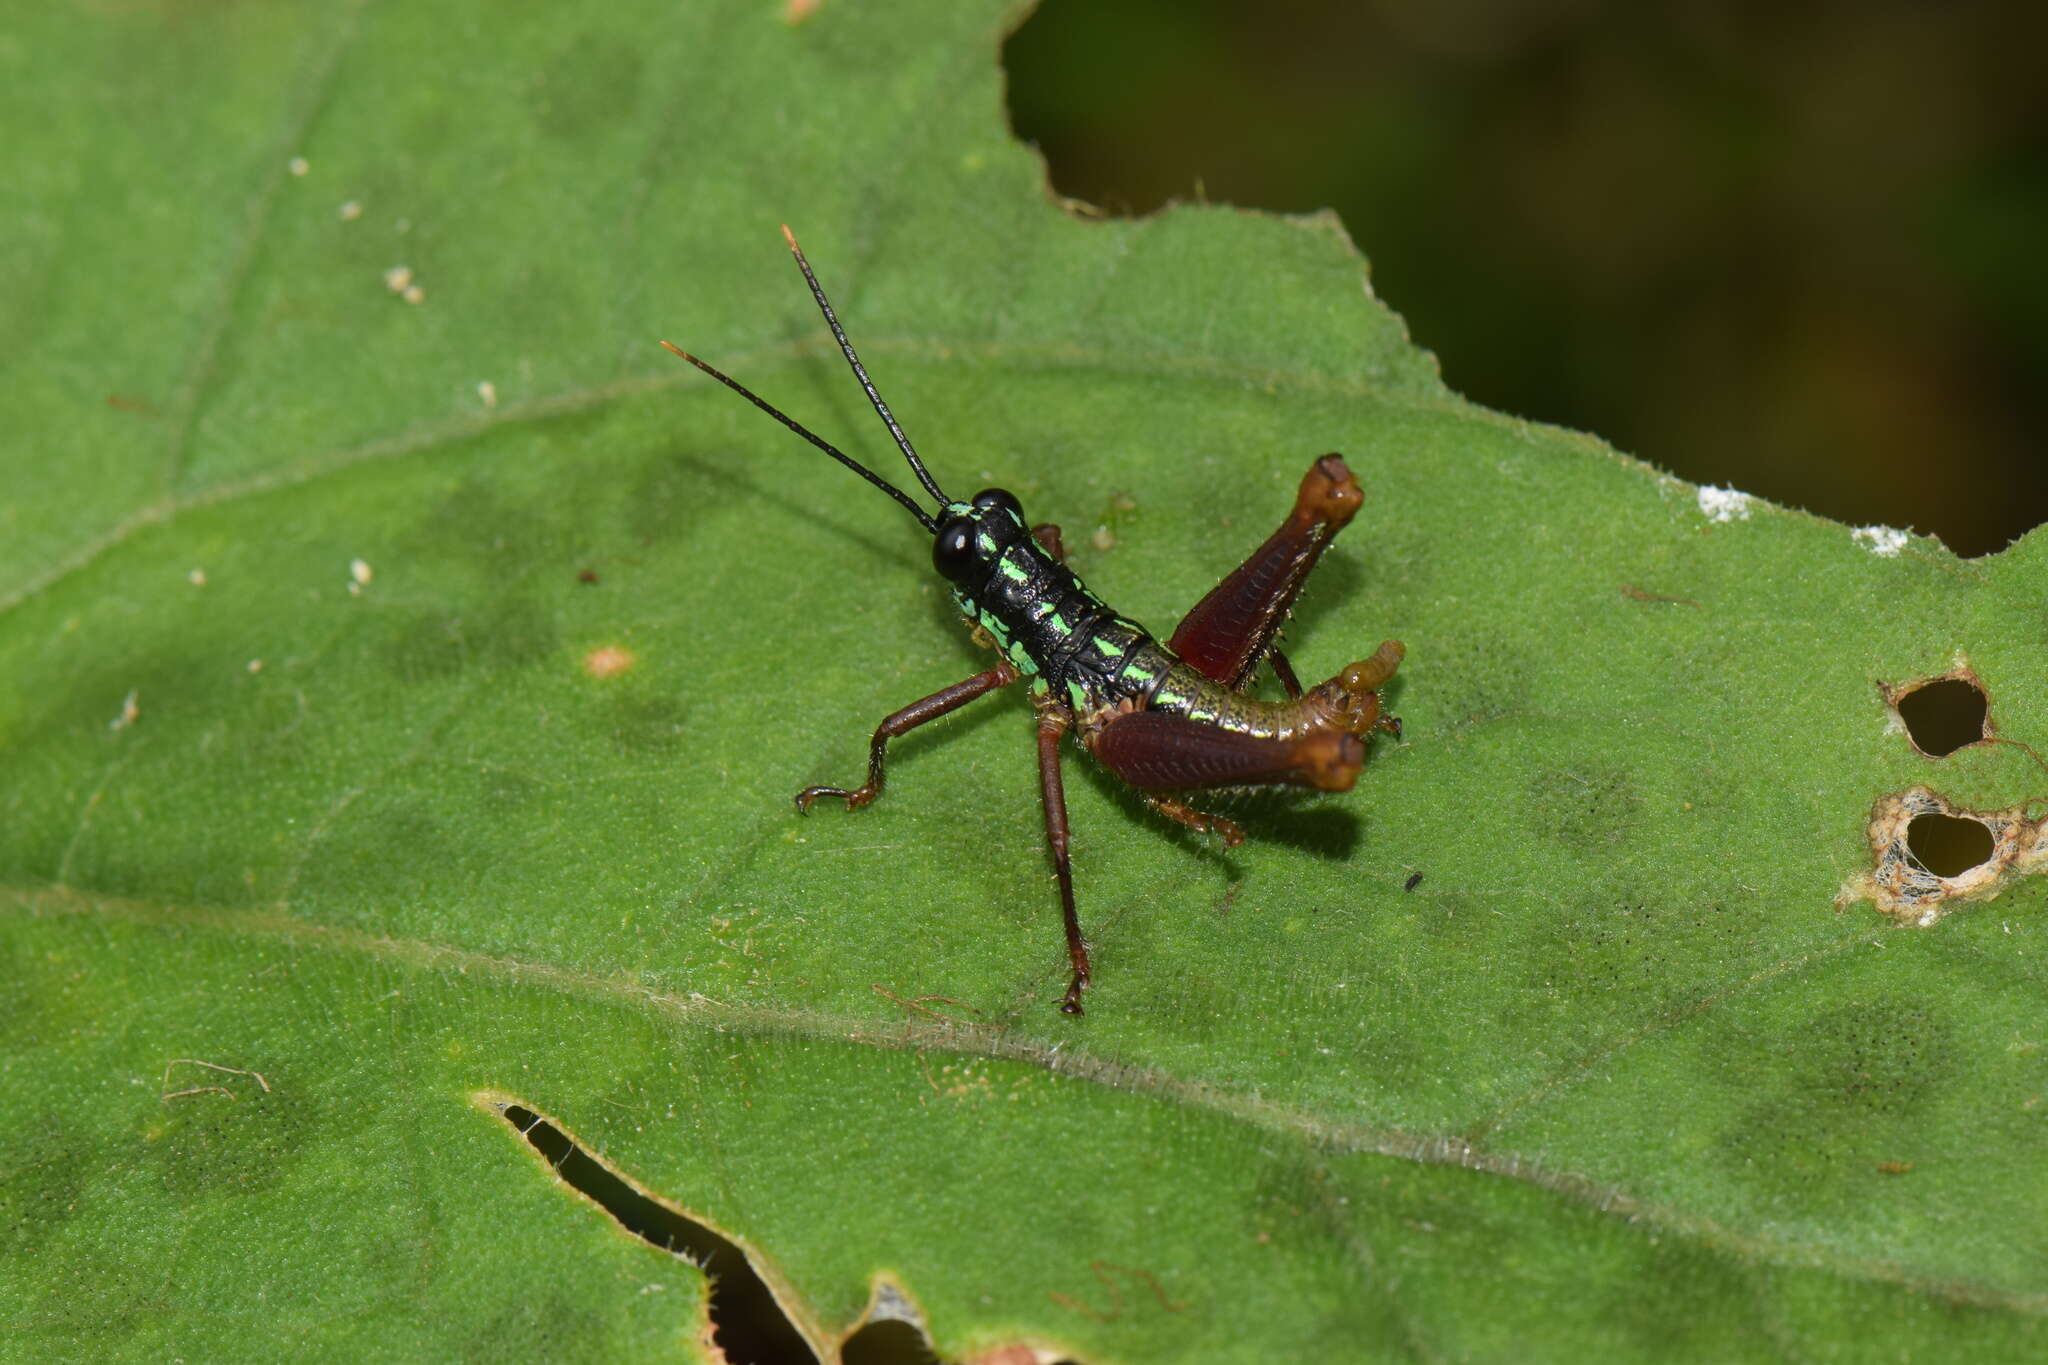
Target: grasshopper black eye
x,y
953,548
1000,497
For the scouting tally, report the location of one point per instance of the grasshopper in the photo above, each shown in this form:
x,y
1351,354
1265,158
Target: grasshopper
x,y
1165,719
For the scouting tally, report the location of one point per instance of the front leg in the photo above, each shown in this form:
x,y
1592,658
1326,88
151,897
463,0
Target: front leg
x,y
903,722
1229,631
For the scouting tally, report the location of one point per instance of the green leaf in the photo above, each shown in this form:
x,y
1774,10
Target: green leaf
x,y
400,704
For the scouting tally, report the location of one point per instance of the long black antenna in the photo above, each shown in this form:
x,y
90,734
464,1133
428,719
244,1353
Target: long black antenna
x,y
859,371
820,442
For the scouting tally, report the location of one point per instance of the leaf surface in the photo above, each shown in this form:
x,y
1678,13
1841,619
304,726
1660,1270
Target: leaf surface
x,y
400,704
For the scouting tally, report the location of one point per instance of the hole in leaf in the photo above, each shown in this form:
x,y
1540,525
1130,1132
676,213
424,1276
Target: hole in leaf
x,y
888,1343
750,1326
1944,715
1948,845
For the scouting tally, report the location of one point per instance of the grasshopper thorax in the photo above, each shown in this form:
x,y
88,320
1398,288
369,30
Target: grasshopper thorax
x,y
1031,608
972,536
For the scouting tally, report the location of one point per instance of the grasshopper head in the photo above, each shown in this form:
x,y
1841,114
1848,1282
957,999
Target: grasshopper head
x,y
972,536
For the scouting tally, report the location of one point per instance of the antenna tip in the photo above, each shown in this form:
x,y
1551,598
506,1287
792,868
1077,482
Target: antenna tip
x,y
790,237
680,351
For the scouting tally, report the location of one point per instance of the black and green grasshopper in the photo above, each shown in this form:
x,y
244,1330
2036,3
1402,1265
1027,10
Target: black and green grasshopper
x,y
1165,719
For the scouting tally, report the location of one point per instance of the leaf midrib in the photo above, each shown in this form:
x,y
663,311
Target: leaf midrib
x,y
1002,1044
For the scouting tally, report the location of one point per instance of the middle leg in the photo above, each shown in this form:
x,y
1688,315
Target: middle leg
x,y
1201,822
1053,720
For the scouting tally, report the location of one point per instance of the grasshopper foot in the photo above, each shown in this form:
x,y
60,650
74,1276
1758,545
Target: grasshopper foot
x,y
1070,1003
854,799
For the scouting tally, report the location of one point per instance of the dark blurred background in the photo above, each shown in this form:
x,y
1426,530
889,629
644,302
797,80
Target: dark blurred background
x,y
1796,248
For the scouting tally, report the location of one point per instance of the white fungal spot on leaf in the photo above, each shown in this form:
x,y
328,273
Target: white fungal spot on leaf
x,y
1885,541
1723,504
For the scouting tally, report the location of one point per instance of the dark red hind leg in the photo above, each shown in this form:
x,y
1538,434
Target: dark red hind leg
x,y
1229,631
1157,754
1160,753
